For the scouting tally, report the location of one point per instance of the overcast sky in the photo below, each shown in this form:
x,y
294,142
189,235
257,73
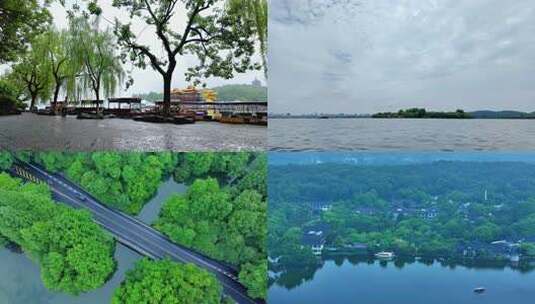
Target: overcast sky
x,y
148,79
364,56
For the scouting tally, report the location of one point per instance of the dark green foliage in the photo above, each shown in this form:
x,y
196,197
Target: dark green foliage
x,y
154,282
528,249
227,224
256,178
229,165
20,21
422,113
456,190
9,93
125,181
74,253
254,277
6,160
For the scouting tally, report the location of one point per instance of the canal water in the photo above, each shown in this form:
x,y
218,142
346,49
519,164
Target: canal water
x,y
401,134
20,281
30,131
373,282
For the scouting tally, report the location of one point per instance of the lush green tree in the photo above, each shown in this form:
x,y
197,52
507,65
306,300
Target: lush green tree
x,y
223,43
11,92
62,66
233,229
20,22
254,277
125,181
154,282
95,51
75,254
487,232
32,72
257,12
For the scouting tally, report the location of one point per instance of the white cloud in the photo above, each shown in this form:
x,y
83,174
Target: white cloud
x,y
380,55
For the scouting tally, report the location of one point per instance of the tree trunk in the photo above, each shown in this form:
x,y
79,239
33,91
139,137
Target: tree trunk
x,y
32,103
56,94
167,95
97,94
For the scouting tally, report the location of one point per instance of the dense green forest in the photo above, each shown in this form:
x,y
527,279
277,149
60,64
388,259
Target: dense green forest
x,y
179,282
231,92
223,214
425,209
74,253
422,113
127,181
225,223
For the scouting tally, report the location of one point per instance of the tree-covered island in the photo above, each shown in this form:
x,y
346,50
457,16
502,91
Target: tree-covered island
x,y
423,113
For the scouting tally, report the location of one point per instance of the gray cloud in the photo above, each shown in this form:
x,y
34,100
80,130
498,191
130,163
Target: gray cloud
x,y
380,55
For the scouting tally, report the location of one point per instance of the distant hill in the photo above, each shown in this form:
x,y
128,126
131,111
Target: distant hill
x,y
501,114
241,92
231,92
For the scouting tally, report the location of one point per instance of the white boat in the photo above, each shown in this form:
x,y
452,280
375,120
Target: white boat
x,y
384,255
479,289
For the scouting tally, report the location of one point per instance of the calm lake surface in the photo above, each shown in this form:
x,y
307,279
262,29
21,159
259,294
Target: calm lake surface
x,y
416,283
20,281
30,131
400,134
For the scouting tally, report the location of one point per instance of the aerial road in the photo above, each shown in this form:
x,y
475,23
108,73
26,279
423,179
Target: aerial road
x,y
135,234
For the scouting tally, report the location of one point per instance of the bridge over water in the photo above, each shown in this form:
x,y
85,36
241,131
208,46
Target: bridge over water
x,y
132,232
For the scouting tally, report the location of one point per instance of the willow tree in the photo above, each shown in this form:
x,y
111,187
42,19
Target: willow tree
x,y
255,11
62,64
94,51
32,72
223,43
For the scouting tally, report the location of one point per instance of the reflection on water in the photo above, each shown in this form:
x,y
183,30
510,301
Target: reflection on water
x,y
20,281
402,281
150,211
400,134
29,131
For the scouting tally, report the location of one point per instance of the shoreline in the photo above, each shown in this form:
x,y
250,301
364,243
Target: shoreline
x,y
407,118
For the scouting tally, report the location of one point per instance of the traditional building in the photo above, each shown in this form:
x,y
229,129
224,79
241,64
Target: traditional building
x,y
315,237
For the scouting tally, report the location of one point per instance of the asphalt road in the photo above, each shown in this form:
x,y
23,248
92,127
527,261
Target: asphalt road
x,y
138,235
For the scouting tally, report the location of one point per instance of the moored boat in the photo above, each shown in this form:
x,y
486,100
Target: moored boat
x,y
178,120
384,255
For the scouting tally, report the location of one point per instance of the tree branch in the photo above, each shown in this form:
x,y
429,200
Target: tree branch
x,y
198,9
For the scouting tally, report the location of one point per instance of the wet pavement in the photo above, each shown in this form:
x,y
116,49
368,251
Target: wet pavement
x,y
30,131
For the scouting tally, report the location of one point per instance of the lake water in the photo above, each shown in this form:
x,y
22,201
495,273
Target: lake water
x,y
30,131
20,281
401,134
373,282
